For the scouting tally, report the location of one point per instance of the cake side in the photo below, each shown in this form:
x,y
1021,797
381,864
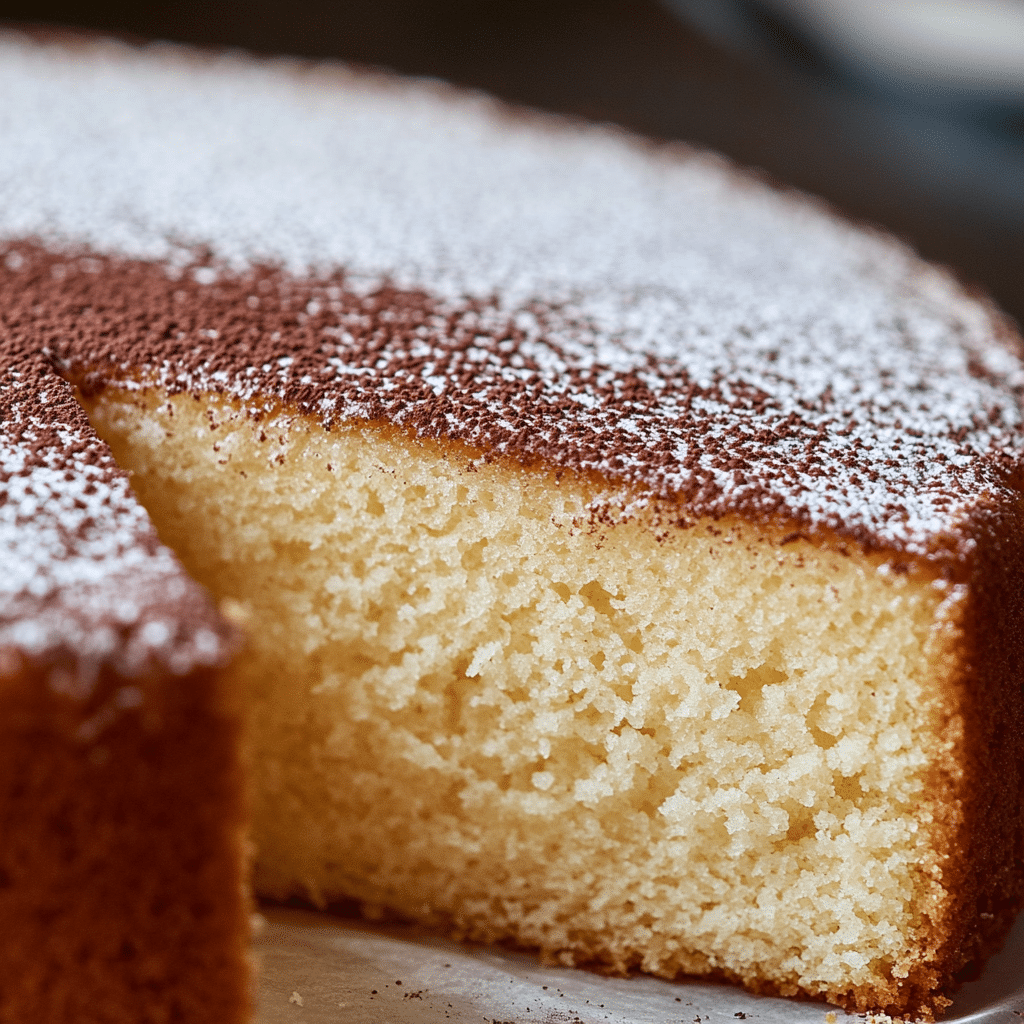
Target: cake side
x,y
125,853
122,790
985,867
481,706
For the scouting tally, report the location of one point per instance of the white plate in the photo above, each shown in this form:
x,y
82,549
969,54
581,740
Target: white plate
x,y
316,968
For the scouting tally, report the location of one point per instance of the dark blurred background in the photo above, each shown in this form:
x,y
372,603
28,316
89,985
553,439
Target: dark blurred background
x,y
925,145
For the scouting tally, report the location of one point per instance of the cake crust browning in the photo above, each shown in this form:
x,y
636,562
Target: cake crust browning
x,y
124,852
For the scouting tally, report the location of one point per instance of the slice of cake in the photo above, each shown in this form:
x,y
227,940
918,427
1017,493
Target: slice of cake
x,y
628,554
123,850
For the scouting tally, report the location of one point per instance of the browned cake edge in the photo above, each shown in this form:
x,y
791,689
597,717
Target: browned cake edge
x,y
986,805
124,853
978,788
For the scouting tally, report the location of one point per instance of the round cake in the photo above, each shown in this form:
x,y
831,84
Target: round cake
x,y
576,543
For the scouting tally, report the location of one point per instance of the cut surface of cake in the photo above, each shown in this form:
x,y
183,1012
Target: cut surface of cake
x,y
628,554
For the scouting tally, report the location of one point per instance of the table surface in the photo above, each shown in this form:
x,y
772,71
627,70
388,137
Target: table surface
x,y
316,969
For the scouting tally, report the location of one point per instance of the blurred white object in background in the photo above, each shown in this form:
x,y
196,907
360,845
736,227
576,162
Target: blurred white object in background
x,y
950,53
975,45
928,95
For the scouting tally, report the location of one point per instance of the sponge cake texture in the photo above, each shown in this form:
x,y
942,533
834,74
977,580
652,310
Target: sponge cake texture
x,y
702,752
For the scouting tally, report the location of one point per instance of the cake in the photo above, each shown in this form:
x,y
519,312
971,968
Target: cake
x,y
622,557
122,788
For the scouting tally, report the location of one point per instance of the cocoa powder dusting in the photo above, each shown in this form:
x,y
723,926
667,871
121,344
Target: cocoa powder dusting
x,y
467,372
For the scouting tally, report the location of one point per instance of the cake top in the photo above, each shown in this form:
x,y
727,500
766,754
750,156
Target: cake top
x,y
364,248
85,582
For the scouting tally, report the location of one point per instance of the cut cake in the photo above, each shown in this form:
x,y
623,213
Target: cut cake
x,y
628,554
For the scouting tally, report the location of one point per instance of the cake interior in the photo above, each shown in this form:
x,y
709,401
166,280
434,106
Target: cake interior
x,y
712,750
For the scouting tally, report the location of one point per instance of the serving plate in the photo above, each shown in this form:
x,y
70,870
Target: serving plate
x,y
315,969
